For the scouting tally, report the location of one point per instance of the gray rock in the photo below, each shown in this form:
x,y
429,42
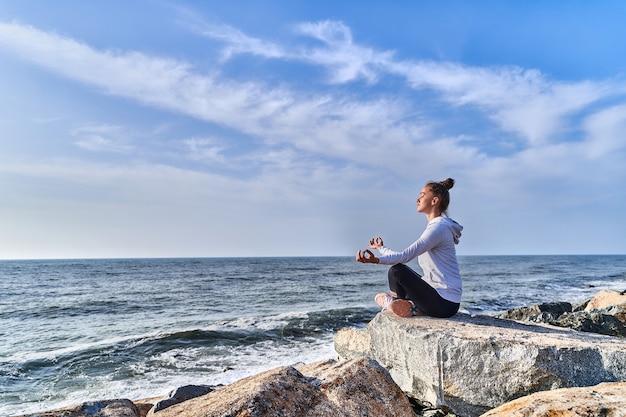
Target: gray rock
x,y
472,364
539,313
591,321
107,408
581,306
605,321
182,394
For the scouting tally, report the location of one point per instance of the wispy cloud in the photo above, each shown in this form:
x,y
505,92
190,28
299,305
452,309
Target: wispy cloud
x,y
521,101
208,151
606,131
346,60
240,43
154,81
102,138
46,120
325,124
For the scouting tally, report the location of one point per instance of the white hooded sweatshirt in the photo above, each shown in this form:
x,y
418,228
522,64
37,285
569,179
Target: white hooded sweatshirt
x,y
436,255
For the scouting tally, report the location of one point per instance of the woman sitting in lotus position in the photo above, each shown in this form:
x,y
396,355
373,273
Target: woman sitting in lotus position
x,y
438,292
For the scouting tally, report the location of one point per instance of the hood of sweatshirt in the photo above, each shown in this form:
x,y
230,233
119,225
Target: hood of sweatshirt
x,y
454,227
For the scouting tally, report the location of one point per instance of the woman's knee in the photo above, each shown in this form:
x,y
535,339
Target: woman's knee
x,y
401,273
396,270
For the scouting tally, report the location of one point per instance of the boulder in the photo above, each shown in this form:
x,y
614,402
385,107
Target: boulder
x,y
607,399
608,320
609,302
182,394
108,408
605,299
618,311
591,321
325,389
539,313
471,364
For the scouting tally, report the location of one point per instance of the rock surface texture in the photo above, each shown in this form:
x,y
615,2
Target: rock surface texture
x,y
323,389
606,319
473,364
107,408
604,400
606,298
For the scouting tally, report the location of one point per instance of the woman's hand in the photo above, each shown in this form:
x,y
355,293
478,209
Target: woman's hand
x,y
366,257
376,243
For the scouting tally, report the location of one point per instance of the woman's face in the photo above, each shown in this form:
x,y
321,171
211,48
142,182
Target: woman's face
x,y
426,200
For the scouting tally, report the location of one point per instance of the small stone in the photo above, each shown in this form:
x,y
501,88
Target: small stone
x,y
182,394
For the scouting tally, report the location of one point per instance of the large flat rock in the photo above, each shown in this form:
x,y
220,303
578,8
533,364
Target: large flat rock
x,y
471,364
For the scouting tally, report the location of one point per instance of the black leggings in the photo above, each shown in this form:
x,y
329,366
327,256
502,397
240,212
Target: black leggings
x,y
408,284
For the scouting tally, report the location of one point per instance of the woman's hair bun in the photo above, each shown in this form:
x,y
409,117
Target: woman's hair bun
x,y
448,183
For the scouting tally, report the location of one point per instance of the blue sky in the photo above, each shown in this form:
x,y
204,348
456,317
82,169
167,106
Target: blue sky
x,y
283,128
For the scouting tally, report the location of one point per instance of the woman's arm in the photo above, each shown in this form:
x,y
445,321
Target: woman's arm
x,y
431,237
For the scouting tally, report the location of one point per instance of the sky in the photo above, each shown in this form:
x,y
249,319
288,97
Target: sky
x,y
158,128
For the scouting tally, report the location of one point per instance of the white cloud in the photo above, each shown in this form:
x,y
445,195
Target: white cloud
x,y
327,125
102,138
239,43
46,120
346,60
521,101
369,132
606,131
208,151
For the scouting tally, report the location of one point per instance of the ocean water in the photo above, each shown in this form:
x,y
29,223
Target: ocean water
x,y
79,330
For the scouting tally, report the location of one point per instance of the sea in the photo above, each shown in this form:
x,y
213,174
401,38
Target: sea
x,y
83,330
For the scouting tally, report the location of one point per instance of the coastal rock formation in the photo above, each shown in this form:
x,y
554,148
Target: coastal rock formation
x,y
608,320
471,364
324,389
607,399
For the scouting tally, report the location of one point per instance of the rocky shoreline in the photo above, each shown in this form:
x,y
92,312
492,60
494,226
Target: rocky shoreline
x,y
542,360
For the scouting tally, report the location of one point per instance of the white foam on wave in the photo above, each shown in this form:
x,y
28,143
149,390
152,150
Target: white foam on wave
x,y
245,323
263,323
21,357
188,366
191,366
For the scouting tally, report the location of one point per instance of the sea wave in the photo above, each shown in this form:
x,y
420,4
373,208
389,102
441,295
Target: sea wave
x,y
291,328
152,364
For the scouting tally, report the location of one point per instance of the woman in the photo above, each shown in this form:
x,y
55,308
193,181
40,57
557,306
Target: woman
x,y
438,292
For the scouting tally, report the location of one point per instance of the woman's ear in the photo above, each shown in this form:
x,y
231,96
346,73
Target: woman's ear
x,y
435,201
